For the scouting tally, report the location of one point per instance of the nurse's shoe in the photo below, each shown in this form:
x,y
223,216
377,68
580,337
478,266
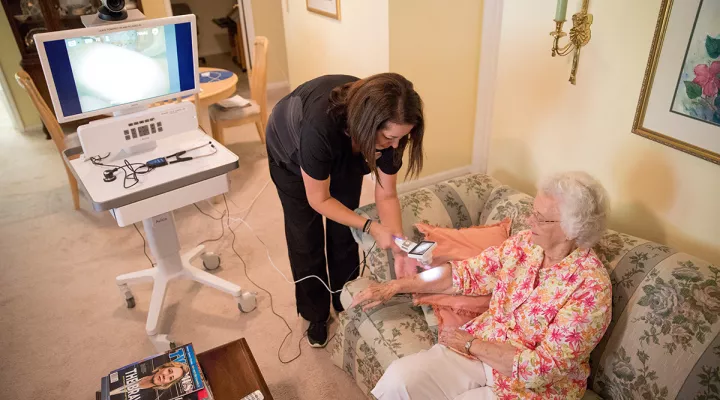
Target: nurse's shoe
x,y
317,334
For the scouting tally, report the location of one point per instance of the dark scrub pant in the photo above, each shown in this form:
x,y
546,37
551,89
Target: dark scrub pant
x,y
308,242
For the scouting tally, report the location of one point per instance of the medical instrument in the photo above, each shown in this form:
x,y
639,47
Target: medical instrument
x,y
178,156
420,251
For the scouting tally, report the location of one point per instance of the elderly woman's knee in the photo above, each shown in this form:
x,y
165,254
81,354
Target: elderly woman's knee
x,y
404,372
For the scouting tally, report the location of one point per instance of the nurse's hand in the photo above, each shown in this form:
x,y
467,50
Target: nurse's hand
x,y
383,236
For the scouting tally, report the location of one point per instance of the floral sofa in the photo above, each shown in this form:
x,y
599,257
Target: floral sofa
x,y
663,341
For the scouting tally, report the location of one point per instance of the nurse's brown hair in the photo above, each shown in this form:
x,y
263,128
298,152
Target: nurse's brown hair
x,y
367,105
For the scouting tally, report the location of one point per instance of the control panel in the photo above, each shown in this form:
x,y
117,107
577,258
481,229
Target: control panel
x,y
111,135
142,128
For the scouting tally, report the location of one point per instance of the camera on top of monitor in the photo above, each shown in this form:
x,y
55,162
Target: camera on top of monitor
x,y
112,10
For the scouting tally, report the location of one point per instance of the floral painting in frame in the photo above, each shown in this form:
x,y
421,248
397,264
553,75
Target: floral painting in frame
x,y
679,105
699,82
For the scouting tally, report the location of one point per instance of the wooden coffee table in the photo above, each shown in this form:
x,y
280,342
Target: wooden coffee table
x,y
231,371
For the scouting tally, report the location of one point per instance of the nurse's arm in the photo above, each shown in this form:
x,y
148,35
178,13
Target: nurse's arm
x,y
388,205
318,195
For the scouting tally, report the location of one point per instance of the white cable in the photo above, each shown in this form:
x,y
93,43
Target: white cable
x,y
252,203
267,250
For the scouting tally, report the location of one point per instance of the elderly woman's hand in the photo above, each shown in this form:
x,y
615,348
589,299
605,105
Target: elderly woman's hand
x,y
455,339
374,295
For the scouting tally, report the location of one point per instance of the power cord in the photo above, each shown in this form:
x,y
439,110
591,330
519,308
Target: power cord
x,y
222,226
226,212
152,264
290,331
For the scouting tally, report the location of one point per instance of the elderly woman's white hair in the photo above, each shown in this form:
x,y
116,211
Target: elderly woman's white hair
x,y
583,205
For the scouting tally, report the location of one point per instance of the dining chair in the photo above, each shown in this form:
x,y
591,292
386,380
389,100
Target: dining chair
x,y
257,112
62,141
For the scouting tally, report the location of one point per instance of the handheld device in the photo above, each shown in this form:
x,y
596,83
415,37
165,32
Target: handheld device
x,y
420,251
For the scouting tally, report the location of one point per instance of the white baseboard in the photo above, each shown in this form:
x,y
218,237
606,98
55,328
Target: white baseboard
x,y
34,128
433,179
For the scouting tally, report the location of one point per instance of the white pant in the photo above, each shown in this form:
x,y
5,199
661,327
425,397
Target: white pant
x,y
435,374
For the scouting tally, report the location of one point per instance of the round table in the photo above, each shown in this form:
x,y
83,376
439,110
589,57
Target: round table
x,y
215,84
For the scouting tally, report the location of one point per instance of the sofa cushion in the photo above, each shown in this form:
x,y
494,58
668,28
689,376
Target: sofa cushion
x,y
461,244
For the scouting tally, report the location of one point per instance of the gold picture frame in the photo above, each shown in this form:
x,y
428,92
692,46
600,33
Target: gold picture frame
x,y
328,8
639,126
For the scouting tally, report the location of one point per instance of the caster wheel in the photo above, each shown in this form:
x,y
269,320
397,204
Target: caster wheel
x,y
130,302
173,345
247,303
211,261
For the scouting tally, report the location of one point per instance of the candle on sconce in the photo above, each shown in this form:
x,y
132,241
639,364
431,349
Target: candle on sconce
x,y
561,10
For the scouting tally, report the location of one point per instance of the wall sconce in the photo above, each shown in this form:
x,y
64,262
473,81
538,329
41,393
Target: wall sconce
x,y
579,33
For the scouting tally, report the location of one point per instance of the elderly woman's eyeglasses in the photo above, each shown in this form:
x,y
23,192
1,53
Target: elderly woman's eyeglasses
x,y
539,218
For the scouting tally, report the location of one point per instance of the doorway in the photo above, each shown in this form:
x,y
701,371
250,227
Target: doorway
x,y
9,118
220,39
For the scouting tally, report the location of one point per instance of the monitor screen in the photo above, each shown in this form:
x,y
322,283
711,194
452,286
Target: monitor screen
x,y
99,70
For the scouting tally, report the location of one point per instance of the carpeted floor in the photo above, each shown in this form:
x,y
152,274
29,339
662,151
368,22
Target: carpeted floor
x,y
63,323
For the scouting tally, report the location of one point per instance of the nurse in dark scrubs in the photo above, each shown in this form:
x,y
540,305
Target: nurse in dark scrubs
x,y
322,139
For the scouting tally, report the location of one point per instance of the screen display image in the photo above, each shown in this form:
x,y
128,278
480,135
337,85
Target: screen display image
x,y
422,247
115,68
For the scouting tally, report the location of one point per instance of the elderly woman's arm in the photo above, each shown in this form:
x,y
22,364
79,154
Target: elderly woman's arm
x,y
435,280
472,277
569,340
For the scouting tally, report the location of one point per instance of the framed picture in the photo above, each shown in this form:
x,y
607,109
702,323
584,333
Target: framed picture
x,y
328,8
679,102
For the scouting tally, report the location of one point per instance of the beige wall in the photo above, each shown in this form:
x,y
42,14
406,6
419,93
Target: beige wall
x,y
10,63
437,47
268,20
154,8
542,124
318,45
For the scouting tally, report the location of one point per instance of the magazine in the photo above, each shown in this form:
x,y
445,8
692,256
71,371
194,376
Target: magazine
x,y
175,375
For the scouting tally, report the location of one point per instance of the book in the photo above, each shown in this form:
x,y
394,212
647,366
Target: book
x,y
174,375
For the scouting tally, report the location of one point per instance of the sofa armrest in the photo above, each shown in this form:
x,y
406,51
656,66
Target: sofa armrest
x,y
394,329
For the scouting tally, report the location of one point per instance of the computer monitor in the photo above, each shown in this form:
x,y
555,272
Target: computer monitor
x,y
113,67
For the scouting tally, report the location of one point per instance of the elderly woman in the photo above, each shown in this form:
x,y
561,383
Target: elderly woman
x,y
550,305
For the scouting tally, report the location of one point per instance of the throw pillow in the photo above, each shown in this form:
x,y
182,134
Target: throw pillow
x,y
453,245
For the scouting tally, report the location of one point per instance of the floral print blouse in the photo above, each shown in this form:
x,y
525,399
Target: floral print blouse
x,y
553,316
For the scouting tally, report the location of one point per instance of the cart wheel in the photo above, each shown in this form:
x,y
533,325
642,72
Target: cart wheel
x,y
130,302
211,261
247,302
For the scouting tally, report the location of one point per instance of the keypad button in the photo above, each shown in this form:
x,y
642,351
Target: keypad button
x,y
134,133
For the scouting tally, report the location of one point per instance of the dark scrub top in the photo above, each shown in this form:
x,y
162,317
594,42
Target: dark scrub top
x,y
301,134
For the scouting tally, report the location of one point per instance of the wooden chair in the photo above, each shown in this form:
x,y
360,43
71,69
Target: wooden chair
x,y
61,140
257,112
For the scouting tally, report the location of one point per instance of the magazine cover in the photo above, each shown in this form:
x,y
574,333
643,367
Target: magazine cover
x,y
174,375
